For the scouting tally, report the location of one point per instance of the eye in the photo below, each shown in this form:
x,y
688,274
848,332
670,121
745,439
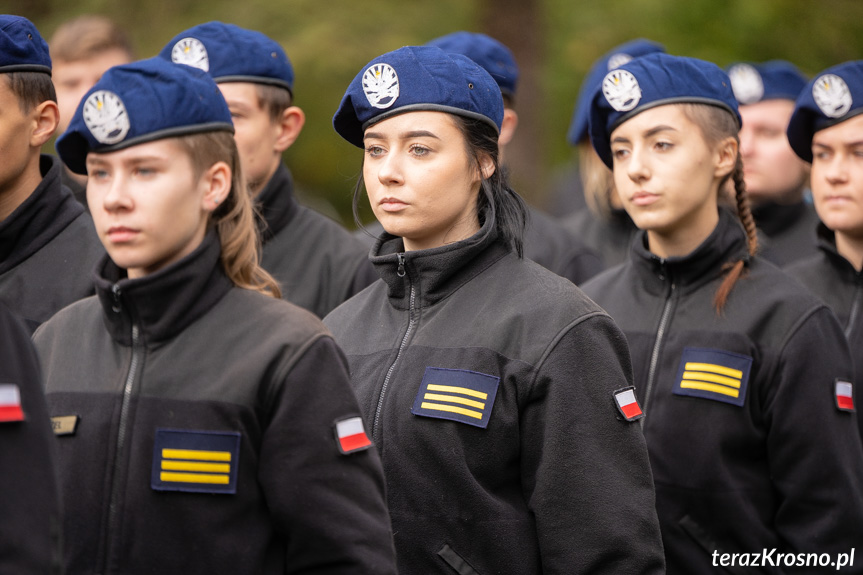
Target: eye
x,y
144,171
620,153
97,174
663,146
419,151
374,151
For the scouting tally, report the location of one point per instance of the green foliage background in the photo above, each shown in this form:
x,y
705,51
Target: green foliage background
x,y
328,43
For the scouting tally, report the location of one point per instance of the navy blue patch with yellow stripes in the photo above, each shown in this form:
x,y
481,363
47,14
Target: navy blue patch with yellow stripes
x,y
196,461
713,374
457,395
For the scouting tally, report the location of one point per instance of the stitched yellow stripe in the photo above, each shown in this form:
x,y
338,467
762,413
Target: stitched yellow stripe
x,y
462,390
709,387
711,377
454,399
196,454
712,367
452,409
190,466
194,478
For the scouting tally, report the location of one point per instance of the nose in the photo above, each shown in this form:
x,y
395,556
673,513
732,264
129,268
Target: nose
x,y
636,167
836,170
115,196
390,170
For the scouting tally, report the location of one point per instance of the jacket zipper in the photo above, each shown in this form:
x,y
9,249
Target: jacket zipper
x,y
657,344
855,309
116,491
376,424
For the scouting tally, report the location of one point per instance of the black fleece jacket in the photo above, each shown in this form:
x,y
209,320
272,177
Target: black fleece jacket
x,y
48,248
181,367
748,447
488,383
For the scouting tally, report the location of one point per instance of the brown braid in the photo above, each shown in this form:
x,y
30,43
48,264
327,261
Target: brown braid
x,y
735,271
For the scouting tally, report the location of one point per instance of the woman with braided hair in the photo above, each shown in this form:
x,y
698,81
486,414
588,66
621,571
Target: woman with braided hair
x,y
741,374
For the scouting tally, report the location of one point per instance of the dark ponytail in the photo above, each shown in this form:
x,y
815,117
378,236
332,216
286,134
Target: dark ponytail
x,y
717,124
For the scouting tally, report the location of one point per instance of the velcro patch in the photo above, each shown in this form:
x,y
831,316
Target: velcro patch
x,y
10,403
351,435
457,395
64,424
195,461
713,374
844,395
627,404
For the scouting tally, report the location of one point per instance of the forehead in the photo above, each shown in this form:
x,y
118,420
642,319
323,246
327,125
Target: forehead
x,y
440,124
166,149
848,132
670,115
97,63
767,111
240,93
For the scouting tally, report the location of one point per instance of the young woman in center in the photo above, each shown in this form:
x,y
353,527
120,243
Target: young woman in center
x,y
737,368
490,385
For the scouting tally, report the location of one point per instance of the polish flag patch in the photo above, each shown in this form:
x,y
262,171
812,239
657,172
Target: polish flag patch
x,y
627,404
844,396
351,435
10,403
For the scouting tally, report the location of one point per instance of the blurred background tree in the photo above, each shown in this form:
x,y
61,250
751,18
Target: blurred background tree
x,y
554,41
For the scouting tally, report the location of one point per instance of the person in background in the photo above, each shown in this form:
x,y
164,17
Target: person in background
x,y
498,395
775,177
212,426
82,49
741,373
30,532
826,130
48,246
604,225
546,242
317,262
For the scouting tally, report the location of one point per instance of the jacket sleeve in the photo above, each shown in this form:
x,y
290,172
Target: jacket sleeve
x,y
29,495
329,506
814,450
585,469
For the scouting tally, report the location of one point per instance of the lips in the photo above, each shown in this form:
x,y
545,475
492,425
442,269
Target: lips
x,y
121,234
643,198
392,204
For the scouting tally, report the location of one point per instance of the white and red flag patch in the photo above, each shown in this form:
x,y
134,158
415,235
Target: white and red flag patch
x,y
844,395
351,435
627,404
10,403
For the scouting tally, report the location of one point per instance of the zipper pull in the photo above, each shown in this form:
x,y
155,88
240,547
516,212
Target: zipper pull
x,y
401,271
115,289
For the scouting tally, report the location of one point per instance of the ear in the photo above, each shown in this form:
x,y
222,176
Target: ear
x,y
289,127
216,182
507,127
486,166
46,117
726,157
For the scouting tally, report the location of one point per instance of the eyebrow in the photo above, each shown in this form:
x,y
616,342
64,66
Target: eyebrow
x,y
404,136
649,133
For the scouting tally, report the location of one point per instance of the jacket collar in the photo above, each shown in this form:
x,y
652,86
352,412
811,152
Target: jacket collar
x,y
827,244
438,272
726,243
166,302
277,204
773,218
49,209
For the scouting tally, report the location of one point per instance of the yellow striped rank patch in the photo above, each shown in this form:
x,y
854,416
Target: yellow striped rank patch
x,y
713,374
457,395
196,461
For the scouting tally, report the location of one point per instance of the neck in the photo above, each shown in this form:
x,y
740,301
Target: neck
x,y
850,248
16,192
257,187
681,242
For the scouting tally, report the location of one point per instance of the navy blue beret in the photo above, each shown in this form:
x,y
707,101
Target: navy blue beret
x,y
651,81
773,80
493,56
141,102
611,60
232,54
22,48
417,78
835,95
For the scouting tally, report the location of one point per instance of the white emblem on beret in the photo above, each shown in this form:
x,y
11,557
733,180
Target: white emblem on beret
x,y
832,95
191,52
618,60
105,116
621,89
381,85
746,83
